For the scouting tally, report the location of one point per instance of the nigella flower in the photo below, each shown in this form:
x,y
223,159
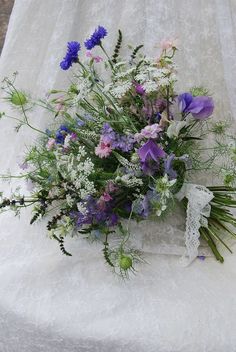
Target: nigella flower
x,y
201,107
71,55
95,38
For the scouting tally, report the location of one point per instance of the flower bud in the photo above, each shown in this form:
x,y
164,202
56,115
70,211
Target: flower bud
x,y
18,98
125,262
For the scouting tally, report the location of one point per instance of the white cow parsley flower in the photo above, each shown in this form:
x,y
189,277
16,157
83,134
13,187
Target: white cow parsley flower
x,y
121,89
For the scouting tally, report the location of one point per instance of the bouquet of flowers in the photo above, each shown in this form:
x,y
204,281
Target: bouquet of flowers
x,y
123,146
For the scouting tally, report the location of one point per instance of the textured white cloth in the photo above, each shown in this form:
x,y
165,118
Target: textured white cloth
x,y
49,302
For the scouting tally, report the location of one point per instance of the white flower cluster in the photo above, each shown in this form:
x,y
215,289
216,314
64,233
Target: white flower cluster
x,y
152,77
163,187
133,166
118,89
90,135
84,87
77,170
129,180
81,208
124,74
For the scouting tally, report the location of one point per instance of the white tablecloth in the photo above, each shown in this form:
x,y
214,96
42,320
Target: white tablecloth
x,y
49,302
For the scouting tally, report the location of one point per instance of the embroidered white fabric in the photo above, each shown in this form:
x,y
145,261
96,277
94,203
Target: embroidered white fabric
x,y
53,303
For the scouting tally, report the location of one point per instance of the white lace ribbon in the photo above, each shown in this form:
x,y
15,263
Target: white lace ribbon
x,y
199,198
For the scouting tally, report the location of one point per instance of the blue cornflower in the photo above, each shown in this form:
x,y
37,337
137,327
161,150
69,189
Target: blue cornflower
x,y
71,55
61,134
95,38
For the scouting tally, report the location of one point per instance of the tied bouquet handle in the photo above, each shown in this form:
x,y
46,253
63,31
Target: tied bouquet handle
x,y
122,145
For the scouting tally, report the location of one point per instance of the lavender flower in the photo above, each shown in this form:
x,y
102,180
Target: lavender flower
x,y
115,140
200,107
71,55
95,38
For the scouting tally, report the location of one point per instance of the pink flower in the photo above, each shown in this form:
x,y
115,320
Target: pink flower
x,y
50,144
139,89
106,197
168,44
150,131
103,200
103,150
110,187
95,58
73,136
60,104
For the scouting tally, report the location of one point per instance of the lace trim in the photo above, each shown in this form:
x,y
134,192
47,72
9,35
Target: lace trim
x,y
198,206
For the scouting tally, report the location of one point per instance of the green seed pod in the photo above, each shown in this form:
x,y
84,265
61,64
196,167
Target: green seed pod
x,y
18,98
125,262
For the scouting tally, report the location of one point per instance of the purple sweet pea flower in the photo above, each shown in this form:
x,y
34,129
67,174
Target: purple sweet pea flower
x,y
150,153
201,107
184,100
168,167
150,150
